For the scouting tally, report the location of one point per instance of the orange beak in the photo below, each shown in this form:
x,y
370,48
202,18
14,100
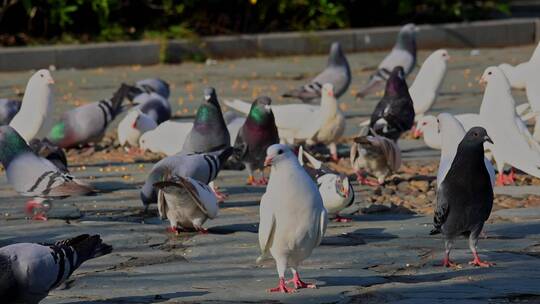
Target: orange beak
x,y
482,81
331,94
50,81
417,133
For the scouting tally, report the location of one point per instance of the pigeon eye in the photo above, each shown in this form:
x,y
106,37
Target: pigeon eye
x,y
41,75
424,123
489,73
475,134
280,152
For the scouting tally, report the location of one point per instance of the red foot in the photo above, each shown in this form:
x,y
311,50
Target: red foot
x,y
40,217
477,262
339,219
135,151
281,287
335,158
221,197
504,179
263,181
202,230
448,263
172,230
365,181
251,181
299,284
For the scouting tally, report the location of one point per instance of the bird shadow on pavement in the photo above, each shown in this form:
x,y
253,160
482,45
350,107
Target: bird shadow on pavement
x,y
236,204
145,299
364,281
233,228
517,230
245,190
371,235
111,186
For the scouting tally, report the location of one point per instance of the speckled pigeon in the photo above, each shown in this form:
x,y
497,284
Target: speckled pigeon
x,y
8,109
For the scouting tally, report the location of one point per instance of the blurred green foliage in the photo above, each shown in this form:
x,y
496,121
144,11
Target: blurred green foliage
x,y
38,21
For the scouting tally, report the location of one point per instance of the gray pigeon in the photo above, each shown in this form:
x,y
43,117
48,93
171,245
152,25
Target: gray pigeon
x,y
8,109
56,155
337,73
87,124
201,167
465,196
34,176
29,271
403,54
155,85
154,105
209,132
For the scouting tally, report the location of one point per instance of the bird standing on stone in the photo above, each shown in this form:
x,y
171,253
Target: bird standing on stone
x,y
394,114
514,145
209,132
186,202
256,135
34,115
427,83
8,109
377,155
337,73
29,271
465,196
292,216
403,54
87,124
202,167
336,191
34,176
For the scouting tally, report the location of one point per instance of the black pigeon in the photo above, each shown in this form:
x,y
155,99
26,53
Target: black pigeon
x,y
29,271
465,196
394,114
256,135
209,132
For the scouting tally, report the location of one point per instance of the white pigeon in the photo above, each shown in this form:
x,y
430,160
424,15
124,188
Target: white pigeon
x,y
513,144
428,127
167,138
451,133
304,122
427,83
518,75
186,202
134,124
292,216
34,117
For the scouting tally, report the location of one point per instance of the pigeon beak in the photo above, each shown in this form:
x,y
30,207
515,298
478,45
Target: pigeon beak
x,y
268,161
206,97
417,133
330,93
50,81
482,81
267,108
488,139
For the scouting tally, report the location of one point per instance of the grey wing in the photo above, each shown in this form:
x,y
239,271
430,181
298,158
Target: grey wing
x,y
441,210
339,77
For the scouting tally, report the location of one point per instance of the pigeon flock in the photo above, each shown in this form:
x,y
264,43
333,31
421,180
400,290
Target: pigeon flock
x,y
275,144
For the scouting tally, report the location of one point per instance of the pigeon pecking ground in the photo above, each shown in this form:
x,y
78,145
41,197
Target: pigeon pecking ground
x,y
384,255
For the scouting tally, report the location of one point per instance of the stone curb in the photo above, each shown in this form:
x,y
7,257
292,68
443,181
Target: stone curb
x,y
479,34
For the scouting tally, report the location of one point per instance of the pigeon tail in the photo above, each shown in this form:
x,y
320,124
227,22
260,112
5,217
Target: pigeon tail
x,y
87,247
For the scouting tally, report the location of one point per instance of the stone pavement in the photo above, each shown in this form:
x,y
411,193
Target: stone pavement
x,y
378,258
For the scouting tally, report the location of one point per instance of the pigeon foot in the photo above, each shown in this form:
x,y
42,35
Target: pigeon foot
x,y
477,262
299,284
282,287
340,219
448,263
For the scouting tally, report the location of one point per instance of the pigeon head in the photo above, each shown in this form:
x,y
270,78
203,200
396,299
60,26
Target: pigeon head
x,y
425,124
493,74
41,78
327,90
260,109
11,145
407,38
210,96
442,55
336,56
476,136
396,84
277,153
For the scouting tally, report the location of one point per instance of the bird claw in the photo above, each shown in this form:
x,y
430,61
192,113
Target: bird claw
x,y
40,217
299,284
172,230
449,264
340,219
477,262
37,210
220,196
282,287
